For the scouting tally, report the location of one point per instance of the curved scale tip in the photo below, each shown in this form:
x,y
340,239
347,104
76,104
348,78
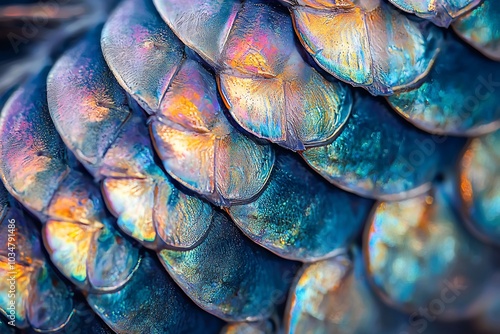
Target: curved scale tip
x,y
299,215
367,43
141,51
458,97
332,296
81,240
198,146
228,276
269,88
481,28
43,301
86,104
156,213
32,155
168,309
416,249
50,301
398,160
212,20
108,133
149,207
479,179
439,12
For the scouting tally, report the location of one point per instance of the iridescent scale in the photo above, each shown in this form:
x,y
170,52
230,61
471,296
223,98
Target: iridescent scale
x,y
254,166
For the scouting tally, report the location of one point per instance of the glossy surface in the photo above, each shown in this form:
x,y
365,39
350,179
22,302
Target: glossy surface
x,y
379,155
31,169
418,256
480,186
77,232
366,43
152,303
211,19
299,215
332,296
141,51
481,28
42,300
268,87
440,12
82,240
459,96
229,276
110,137
198,146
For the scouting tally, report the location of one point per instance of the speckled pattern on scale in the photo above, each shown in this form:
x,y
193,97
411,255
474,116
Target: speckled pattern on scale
x,y
152,303
229,276
320,220
379,155
459,96
481,28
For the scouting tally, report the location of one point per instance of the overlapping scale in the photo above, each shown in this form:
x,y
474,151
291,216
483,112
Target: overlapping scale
x,y
42,300
192,136
142,52
44,303
366,43
379,155
265,81
85,320
42,164
229,276
201,149
332,296
152,303
440,12
480,186
300,216
34,167
110,137
458,97
481,28
419,258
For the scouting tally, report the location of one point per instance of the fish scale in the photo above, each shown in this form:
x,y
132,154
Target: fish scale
x,y
161,129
